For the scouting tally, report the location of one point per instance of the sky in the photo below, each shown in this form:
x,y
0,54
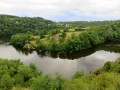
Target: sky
x,y
63,10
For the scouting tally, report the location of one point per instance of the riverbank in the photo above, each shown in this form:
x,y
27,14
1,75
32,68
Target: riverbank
x,y
63,63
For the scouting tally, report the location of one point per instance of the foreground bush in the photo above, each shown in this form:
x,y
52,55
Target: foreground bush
x,y
15,75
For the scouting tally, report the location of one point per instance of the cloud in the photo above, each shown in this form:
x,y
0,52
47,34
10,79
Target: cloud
x,y
51,9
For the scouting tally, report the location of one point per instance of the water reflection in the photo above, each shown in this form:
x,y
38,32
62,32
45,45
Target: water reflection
x,y
76,55
66,55
63,63
23,51
72,55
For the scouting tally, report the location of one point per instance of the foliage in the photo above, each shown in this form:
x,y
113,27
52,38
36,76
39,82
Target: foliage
x,y
41,34
16,76
78,74
77,40
83,24
98,80
10,25
20,39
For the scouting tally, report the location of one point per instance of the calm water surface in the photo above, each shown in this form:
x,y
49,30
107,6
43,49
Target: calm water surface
x,y
65,64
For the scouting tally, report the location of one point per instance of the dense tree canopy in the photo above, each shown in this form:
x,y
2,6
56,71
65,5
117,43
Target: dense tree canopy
x,y
10,25
76,40
84,24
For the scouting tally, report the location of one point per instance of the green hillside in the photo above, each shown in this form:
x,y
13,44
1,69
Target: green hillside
x,y
10,25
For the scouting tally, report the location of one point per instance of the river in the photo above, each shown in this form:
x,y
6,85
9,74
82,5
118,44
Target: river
x,y
65,64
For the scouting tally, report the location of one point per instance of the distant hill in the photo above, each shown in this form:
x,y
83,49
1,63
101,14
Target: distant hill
x,y
10,25
84,24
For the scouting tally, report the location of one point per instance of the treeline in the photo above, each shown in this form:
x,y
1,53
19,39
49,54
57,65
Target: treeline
x,y
84,24
95,36
16,76
83,40
10,25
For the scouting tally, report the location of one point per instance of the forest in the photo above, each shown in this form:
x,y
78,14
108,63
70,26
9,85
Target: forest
x,y
69,36
10,25
45,35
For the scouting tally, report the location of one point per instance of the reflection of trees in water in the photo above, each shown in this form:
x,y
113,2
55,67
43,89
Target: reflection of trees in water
x,y
75,55
4,41
66,55
23,51
111,48
48,54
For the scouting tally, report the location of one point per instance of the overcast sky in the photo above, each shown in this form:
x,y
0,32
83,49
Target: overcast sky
x,y
63,10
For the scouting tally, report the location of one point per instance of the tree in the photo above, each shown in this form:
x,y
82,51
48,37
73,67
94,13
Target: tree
x,y
63,35
20,39
6,82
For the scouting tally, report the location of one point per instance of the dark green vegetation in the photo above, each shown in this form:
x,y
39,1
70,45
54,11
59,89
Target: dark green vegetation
x,y
10,25
84,24
70,38
38,33
16,76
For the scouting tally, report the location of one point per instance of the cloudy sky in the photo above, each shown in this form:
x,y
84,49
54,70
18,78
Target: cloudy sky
x,y
63,10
